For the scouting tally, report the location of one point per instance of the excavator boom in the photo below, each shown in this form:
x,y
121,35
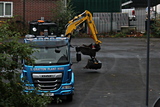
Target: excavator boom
x,y
91,49
77,20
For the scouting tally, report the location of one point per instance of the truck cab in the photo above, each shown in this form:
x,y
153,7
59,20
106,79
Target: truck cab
x,y
51,71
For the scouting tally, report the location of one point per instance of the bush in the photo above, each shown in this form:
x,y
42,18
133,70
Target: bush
x,y
156,28
11,54
62,14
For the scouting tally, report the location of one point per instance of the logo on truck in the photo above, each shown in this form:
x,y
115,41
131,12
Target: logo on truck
x,y
46,76
47,69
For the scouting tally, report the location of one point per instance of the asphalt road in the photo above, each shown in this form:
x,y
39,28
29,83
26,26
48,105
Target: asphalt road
x,y
122,80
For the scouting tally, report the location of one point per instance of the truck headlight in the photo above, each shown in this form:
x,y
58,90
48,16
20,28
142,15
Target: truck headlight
x,y
29,87
67,87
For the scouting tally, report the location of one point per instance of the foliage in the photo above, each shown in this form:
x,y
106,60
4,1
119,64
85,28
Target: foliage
x,y
62,14
156,28
11,54
15,27
120,34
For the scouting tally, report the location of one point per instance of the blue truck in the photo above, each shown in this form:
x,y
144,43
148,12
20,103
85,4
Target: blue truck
x,y
51,71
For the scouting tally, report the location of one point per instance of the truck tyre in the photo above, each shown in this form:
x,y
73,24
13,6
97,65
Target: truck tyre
x,y
69,97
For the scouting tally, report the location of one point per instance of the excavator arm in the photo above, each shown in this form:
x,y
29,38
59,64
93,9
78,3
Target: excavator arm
x,y
77,20
91,49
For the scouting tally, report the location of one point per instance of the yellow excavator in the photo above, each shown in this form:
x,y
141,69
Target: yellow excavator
x,y
91,49
52,72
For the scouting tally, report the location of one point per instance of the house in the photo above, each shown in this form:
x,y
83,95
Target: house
x,y
26,10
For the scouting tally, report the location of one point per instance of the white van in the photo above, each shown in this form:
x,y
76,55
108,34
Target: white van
x,y
157,8
131,14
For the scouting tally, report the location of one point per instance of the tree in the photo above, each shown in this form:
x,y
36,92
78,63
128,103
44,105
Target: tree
x,y
156,28
62,13
11,53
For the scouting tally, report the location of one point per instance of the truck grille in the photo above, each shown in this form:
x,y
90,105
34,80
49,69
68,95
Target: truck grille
x,y
47,81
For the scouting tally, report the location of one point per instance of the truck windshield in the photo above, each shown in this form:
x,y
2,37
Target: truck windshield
x,y
51,56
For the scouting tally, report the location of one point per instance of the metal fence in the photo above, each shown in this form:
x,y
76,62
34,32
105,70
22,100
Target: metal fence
x,y
116,22
107,22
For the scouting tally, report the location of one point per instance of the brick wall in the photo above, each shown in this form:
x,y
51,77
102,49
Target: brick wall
x,y
18,8
34,9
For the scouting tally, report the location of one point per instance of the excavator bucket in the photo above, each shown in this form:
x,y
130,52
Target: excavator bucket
x,y
93,64
90,50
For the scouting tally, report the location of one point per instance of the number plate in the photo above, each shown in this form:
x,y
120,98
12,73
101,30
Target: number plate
x,y
47,94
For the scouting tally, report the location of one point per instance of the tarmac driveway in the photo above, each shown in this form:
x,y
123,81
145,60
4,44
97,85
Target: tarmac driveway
x,y
121,82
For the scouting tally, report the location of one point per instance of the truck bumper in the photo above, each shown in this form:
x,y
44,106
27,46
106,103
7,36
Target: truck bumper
x,y
65,89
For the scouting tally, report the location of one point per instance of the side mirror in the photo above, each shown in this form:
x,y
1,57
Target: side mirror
x,y
78,57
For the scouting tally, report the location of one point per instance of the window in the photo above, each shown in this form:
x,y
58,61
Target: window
x,y
6,9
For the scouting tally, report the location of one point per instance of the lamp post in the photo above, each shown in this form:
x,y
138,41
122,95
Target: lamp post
x,y
148,48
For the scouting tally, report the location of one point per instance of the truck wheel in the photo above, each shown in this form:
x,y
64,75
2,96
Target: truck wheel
x,y
69,97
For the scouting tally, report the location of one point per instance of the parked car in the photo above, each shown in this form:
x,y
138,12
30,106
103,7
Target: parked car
x,y
157,8
131,14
